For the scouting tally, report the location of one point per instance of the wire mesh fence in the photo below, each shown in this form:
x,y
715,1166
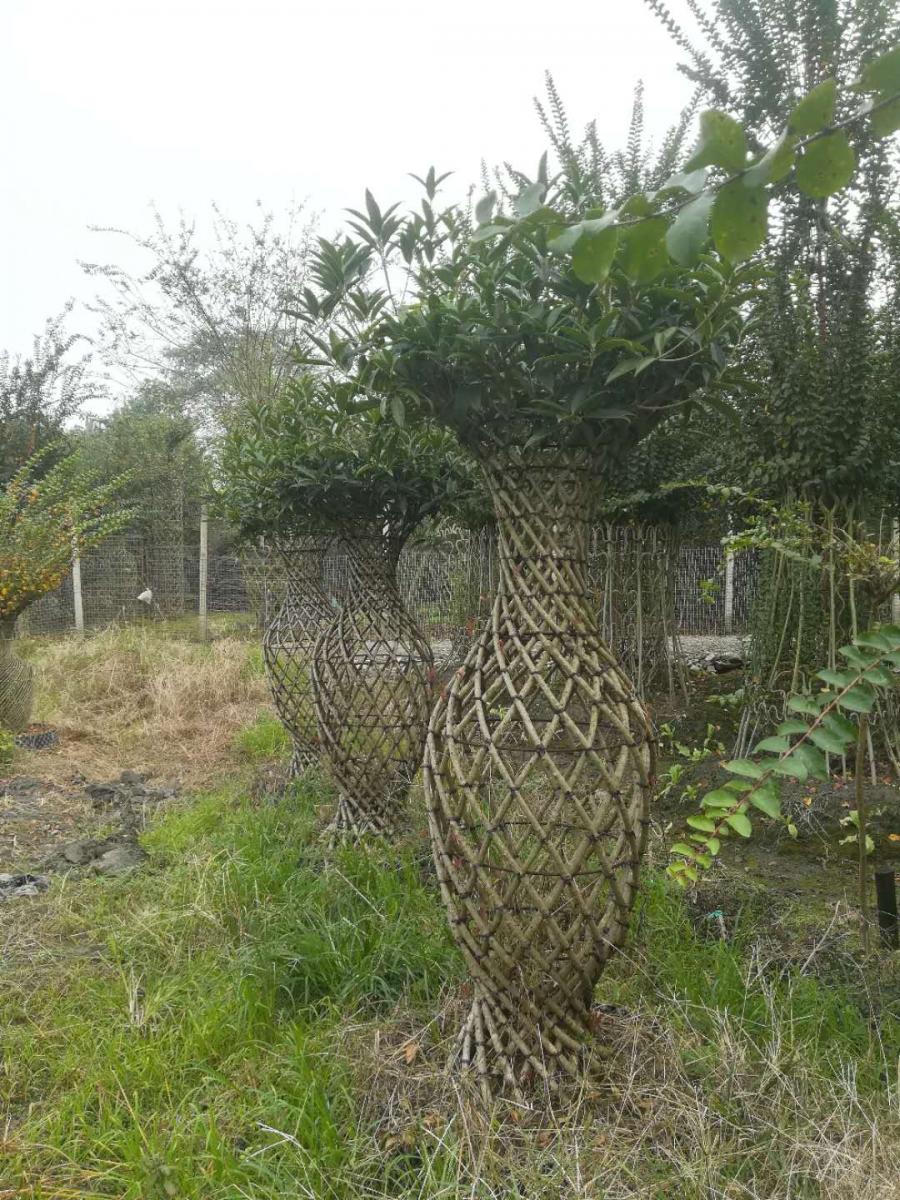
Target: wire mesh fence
x,y
641,577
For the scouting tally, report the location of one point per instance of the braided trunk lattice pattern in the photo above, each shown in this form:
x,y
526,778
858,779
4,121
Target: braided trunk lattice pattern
x,y
16,681
538,770
373,684
288,645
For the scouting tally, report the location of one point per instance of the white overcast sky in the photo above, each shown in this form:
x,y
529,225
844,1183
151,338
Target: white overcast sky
x,y
111,105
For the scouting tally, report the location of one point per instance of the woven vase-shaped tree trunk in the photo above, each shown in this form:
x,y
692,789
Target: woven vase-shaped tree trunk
x,y
16,681
538,772
373,683
288,645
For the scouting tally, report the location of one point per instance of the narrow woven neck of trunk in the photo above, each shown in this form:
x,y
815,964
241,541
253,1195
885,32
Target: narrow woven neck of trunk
x,y
372,559
543,509
303,558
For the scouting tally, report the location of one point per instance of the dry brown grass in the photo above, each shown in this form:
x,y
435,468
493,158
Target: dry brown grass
x,y
134,698
759,1122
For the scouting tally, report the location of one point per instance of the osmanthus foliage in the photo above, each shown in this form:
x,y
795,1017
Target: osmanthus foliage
x,y
819,725
304,462
45,518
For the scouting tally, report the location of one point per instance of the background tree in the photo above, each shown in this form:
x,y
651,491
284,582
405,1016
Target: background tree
x,y
209,314
157,443
45,517
41,392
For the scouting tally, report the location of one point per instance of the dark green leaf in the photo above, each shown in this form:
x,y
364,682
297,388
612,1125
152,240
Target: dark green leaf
x,y
739,221
838,679
682,848
644,250
815,111
594,254
744,766
840,726
767,800
858,699
740,823
788,727
827,166
812,759
792,767
809,705
719,798
831,742
774,745
877,639
629,366
705,824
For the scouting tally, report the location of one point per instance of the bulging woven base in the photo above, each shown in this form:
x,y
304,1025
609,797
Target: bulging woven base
x,y
373,681
538,770
288,646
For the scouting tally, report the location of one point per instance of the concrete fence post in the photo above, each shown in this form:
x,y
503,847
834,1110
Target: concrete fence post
x,y
77,596
203,618
729,592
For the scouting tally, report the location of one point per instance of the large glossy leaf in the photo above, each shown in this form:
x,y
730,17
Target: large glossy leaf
x,y
689,232
826,166
739,221
594,253
774,165
643,249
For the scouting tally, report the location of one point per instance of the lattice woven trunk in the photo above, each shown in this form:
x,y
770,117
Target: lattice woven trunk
x,y
289,641
16,681
373,683
538,771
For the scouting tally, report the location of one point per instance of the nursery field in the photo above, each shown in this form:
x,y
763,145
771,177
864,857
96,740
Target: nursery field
x,y
234,1010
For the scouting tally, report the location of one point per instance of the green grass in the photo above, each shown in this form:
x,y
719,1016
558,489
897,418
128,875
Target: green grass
x,y
265,738
228,1021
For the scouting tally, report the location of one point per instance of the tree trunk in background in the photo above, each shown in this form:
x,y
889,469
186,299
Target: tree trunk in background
x,y
373,685
288,645
16,681
538,770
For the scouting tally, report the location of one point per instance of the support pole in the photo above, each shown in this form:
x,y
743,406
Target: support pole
x,y
204,573
729,592
77,597
895,599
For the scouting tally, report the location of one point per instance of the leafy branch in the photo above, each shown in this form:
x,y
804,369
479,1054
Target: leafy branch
x,y
814,153
825,730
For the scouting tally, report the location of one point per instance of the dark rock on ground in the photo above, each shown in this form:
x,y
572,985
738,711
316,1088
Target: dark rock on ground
x,y
14,886
119,859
